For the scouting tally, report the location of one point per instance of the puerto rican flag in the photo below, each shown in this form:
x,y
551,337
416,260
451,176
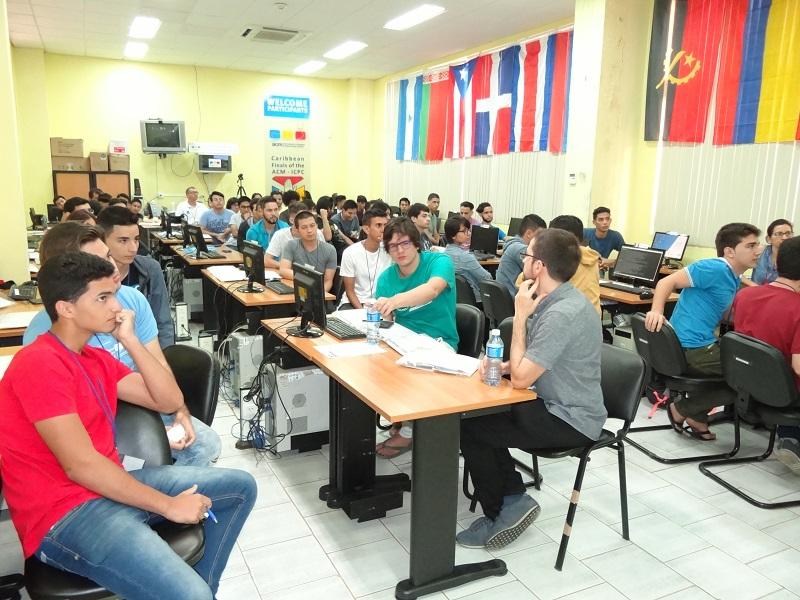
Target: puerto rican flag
x,y
459,144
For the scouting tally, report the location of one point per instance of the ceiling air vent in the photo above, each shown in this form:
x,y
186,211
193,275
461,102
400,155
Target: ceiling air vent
x,y
271,34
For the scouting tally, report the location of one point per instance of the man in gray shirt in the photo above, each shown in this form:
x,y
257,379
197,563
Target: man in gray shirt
x,y
555,350
457,232
511,262
308,250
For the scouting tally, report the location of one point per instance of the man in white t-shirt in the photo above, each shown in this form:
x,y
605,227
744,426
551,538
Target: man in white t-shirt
x,y
190,208
278,241
364,261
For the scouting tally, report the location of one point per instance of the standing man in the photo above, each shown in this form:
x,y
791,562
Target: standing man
x,y
190,209
709,286
262,230
217,221
142,273
457,233
486,214
555,346
421,218
511,262
364,261
601,237
347,222
308,249
435,222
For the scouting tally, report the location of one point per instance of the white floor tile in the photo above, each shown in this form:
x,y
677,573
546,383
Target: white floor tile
x,y
780,595
761,484
590,536
388,594
604,503
679,505
662,538
336,531
236,565
237,588
747,513
400,527
534,568
270,492
560,475
689,478
300,469
598,592
738,539
306,497
788,532
372,567
288,564
512,590
692,593
330,588
739,582
246,461
782,568
639,480
636,573
271,525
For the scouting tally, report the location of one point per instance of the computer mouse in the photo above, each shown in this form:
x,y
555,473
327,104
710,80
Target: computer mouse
x,y
224,249
645,295
386,324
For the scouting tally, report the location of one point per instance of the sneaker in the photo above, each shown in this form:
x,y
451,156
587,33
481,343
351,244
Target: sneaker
x,y
788,453
512,521
477,533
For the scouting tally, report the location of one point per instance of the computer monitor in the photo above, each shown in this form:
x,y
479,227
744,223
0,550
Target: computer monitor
x,y
187,239
253,265
513,226
196,235
671,243
53,213
640,265
154,208
144,239
166,225
484,239
309,297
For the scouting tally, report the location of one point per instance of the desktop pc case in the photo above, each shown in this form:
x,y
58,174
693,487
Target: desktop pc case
x,y
300,409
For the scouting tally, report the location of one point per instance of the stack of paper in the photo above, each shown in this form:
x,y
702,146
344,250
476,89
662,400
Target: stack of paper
x,y
16,319
429,360
227,272
4,362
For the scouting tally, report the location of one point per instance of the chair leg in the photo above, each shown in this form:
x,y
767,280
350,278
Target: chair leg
x,y
473,501
537,477
623,489
573,506
10,586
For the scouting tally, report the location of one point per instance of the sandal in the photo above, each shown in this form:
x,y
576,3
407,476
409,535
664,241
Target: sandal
x,y
704,435
389,450
677,423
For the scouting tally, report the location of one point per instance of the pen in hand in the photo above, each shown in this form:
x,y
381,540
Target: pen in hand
x,y
210,515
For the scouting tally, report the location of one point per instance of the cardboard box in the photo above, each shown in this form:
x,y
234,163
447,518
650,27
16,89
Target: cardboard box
x,y
66,147
69,163
119,162
98,161
118,147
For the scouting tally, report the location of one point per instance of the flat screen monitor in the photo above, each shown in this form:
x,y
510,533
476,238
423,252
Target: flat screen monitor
x,y
309,297
53,213
166,224
144,239
253,265
672,244
196,235
638,264
214,163
513,226
162,137
187,239
154,208
484,239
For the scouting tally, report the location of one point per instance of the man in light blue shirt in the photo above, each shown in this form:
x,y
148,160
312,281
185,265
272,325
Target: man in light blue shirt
x,y
511,262
601,237
217,221
457,232
261,232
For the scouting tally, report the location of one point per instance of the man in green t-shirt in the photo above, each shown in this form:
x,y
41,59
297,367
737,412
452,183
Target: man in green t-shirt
x,y
419,292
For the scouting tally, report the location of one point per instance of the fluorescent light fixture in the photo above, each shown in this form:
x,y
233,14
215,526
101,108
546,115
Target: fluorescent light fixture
x,y
310,67
344,50
135,50
144,28
414,17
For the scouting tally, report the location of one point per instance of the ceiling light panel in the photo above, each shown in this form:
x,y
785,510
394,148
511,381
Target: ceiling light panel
x,y
135,50
144,28
344,50
309,67
414,17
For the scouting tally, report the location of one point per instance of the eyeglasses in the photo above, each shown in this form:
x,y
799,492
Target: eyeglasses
x,y
464,231
244,206
404,245
522,255
782,234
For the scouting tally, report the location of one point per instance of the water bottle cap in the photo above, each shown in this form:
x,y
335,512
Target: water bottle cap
x,y
494,332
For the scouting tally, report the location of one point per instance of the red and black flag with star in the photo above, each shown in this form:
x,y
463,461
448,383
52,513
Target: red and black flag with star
x,y
683,60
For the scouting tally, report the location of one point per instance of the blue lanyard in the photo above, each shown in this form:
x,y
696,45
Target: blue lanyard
x,y
98,391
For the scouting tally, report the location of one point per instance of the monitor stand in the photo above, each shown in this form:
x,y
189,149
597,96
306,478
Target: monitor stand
x,y
250,288
305,330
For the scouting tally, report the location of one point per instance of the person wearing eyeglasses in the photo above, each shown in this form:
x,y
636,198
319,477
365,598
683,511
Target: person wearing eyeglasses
x,y
417,291
244,214
766,270
457,233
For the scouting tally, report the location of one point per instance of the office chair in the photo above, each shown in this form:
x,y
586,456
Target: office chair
x,y
497,302
469,324
663,354
140,433
464,293
10,585
754,368
197,372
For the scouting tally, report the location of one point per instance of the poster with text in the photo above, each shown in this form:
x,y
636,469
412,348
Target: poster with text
x,y
287,150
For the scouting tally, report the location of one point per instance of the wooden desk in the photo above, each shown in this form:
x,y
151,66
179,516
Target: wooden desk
x,y
664,270
629,298
490,262
13,336
9,350
232,257
364,385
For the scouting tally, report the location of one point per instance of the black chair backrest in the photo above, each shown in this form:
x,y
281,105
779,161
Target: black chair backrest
x,y
337,286
660,350
622,375
469,324
506,328
141,433
754,368
241,235
464,293
197,373
497,302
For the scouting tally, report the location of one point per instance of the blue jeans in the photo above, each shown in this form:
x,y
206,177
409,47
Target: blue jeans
x,y
113,545
789,431
204,450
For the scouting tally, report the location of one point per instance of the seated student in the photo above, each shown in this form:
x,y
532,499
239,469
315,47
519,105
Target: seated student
x,y
361,205
457,232
121,230
263,228
190,209
73,204
511,262
323,210
467,210
709,286
555,346
421,218
84,217
201,445
283,236
347,222
363,262
104,199
136,208
486,214
288,197
418,291
58,201
94,193
308,250
73,504
404,205
435,225
243,215
766,267
232,205
118,201
771,313
216,222
601,237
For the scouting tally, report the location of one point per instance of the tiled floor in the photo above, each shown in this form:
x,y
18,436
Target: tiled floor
x,y
690,538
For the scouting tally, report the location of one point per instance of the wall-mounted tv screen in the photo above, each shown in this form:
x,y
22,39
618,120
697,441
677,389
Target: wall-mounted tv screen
x,y
163,137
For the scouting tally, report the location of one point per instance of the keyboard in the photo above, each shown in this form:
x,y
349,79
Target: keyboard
x,y
210,254
343,330
483,255
279,287
624,287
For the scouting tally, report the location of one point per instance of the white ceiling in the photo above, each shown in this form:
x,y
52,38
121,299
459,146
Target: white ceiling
x,y
208,32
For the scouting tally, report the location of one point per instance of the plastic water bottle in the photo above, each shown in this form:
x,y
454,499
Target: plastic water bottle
x,y
494,355
373,324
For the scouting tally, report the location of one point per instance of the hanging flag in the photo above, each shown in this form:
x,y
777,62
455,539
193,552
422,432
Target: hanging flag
x,y
460,143
524,114
439,86
561,48
495,101
408,114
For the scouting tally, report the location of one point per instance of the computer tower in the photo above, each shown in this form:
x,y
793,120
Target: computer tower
x,y
246,352
193,295
299,416
623,337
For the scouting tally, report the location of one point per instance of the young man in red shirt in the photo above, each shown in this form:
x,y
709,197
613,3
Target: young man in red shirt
x,y
771,313
72,503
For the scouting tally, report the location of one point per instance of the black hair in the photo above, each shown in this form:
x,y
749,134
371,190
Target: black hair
x,y
776,223
124,195
453,225
531,222
348,204
324,202
66,277
379,205
116,215
467,204
569,223
788,261
417,208
137,200
80,216
231,202
402,199
600,210
433,195
245,199
95,191
216,193
559,251
307,195
370,214
290,196
118,202
104,197
295,207
70,204
401,226
361,198
303,214
68,236
731,234
95,206
482,206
